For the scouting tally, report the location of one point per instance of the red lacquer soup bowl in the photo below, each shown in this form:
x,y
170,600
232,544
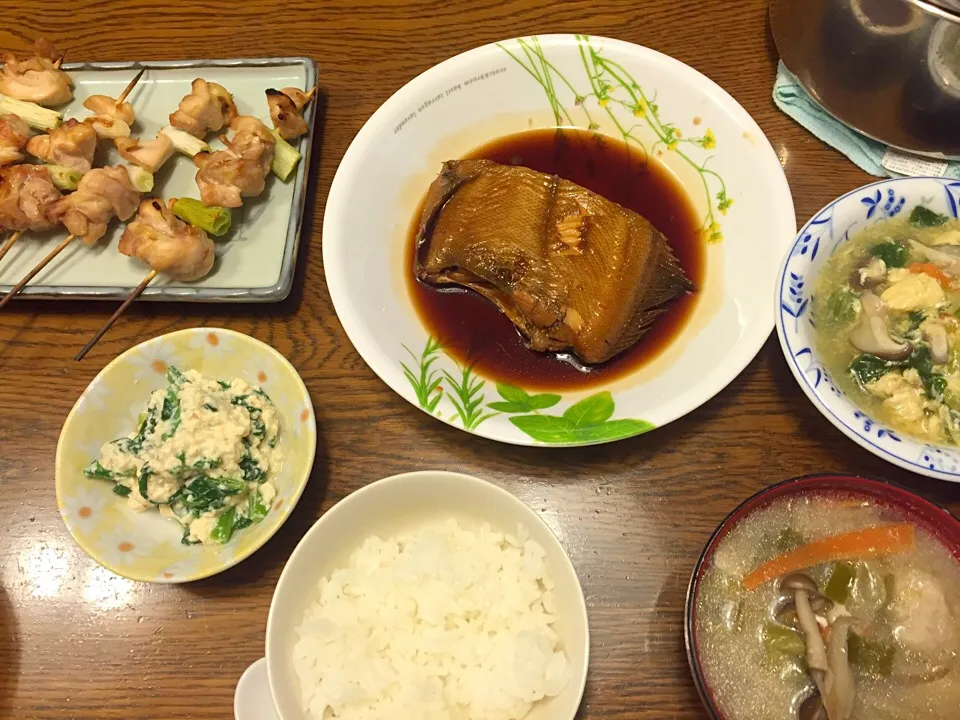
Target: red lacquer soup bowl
x,y
913,508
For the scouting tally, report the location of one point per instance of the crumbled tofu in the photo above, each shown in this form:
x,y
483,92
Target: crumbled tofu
x,y
912,291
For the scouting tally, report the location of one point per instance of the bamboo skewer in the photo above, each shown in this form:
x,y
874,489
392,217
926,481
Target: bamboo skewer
x,y
130,86
9,243
56,251
113,318
37,268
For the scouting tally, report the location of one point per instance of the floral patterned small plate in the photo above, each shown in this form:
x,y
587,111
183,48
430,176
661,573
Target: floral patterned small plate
x,y
662,109
817,241
144,546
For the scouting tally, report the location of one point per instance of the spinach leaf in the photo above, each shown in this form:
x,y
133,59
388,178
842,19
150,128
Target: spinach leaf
x,y
203,493
869,368
223,385
205,463
256,509
170,411
842,305
893,253
125,445
934,384
924,217
262,394
251,469
175,377
211,407
146,472
121,490
223,530
96,471
147,426
241,522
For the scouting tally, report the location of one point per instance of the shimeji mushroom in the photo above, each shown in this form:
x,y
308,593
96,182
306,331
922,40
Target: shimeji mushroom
x,y
871,335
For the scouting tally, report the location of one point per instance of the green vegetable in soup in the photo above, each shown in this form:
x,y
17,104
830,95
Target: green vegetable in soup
x,y
920,360
870,656
788,539
924,217
869,368
842,305
841,581
780,640
894,254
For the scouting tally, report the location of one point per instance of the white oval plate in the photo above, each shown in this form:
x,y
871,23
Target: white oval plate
x,y
815,243
670,110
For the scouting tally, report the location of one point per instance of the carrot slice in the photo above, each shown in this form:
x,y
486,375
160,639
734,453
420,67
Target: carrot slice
x,y
931,270
849,546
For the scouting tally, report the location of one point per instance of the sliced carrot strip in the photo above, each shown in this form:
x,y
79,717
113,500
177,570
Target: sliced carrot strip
x,y
931,270
849,546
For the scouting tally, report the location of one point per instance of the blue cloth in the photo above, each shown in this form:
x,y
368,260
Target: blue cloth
x,y
792,99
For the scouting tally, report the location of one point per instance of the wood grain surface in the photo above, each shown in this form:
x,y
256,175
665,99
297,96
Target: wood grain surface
x,y
79,642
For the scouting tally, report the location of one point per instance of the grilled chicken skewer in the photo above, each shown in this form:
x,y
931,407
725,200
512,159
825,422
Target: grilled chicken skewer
x,y
168,245
207,108
26,196
38,79
103,193
285,107
113,117
227,176
14,134
72,145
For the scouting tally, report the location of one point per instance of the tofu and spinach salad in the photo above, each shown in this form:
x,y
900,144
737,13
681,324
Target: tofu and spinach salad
x,y
204,454
886,310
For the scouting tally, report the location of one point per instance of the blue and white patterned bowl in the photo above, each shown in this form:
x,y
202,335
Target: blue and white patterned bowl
x,y
816,242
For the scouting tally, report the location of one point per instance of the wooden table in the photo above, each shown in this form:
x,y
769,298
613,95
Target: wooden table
x,y
80,642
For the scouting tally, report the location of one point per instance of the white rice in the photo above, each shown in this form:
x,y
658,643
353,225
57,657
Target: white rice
x,y
437,624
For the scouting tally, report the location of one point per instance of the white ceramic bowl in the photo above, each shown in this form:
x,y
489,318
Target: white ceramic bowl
x,y
815,243
390,506
674,113
145,546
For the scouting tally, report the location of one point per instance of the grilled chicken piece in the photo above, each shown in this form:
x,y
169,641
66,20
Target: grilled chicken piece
x,y
72,145
36,79
240,171
149,155
103,193
14,134
208,107
572,270
285,106
27,195
167,244
106,106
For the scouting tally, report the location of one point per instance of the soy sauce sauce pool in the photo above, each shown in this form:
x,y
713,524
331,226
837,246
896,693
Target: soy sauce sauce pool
x,y
474,332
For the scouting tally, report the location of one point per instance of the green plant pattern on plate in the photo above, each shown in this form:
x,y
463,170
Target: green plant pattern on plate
x,y
587,421
613,87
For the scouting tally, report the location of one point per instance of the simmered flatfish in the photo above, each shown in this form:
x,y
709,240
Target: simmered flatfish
x,y
571,269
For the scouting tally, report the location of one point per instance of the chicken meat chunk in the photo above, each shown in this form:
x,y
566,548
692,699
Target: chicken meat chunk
x,y
226,176
27,195
208,107
285,106
149,154
37,79
72,145
14,134
106,106
167,244
103,193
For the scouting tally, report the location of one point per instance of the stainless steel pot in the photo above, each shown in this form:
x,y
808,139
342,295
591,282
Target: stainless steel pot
x,y
889,68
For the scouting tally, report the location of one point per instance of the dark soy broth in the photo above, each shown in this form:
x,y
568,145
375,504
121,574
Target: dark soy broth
x,y
475,332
